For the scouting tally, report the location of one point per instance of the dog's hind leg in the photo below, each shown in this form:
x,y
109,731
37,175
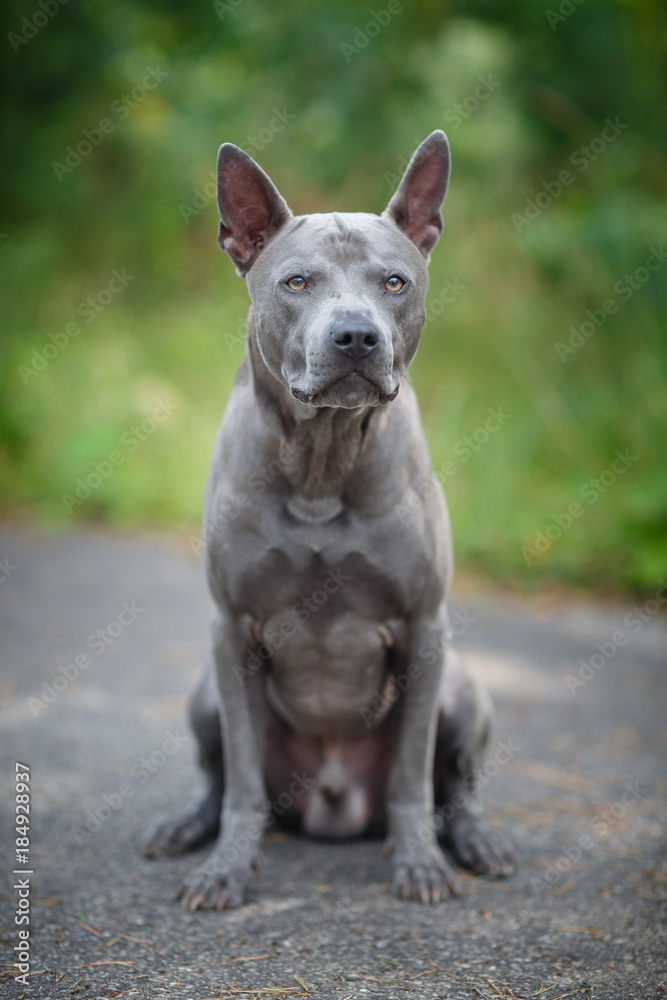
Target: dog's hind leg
x,y
201,824
462,735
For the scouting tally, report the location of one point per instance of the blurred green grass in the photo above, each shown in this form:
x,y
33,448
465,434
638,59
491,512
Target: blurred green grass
x,y
175,332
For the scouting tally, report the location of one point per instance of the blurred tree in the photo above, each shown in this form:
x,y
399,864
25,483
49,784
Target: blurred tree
x,y
110,125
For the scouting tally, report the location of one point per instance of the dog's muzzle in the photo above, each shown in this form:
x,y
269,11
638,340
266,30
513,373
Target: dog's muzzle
x,y
353,366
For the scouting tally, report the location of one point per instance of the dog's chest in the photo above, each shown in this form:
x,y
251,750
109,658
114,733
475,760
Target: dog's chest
x,y
266,565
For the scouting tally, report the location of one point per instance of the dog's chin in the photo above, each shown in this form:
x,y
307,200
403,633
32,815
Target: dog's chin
x,y
349,392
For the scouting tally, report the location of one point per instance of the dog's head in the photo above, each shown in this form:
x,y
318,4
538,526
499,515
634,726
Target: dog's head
x,y
338,299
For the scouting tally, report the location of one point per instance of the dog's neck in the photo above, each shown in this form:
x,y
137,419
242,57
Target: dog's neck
x,y
318,446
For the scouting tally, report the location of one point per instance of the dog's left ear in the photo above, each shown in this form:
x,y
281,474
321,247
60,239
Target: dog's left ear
x,y
251,209
416,206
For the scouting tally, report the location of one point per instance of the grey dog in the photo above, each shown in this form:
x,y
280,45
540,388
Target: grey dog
x,y
332,691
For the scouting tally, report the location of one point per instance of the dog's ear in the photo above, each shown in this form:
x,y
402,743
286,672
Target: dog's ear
x,y
415,208
251,209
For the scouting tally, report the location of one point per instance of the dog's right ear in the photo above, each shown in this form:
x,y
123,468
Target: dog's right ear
x,y
251,209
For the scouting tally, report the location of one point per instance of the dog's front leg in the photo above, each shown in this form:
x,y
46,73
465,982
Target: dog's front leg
x,y
420,868
222,880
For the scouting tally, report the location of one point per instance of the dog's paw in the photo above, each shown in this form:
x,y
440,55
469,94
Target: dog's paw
x,y
215,885
173,837
426,877
478,848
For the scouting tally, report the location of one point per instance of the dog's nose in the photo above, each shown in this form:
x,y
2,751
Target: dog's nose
x,y
354,337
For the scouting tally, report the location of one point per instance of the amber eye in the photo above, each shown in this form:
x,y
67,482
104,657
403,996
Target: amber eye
x,y
394,284
297,283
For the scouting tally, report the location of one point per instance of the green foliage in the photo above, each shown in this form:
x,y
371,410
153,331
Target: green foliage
x,y
335,127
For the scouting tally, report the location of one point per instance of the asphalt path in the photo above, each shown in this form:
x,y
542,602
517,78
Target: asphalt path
x,y
581,794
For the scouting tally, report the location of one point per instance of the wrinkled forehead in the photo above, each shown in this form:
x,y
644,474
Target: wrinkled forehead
x,y
339,240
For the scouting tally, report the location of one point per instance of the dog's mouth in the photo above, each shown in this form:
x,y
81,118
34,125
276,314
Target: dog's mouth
x,y
348,392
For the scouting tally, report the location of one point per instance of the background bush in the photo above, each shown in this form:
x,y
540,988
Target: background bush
x,y
138,202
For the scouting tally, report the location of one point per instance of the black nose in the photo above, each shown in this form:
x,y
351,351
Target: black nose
x,y
354,336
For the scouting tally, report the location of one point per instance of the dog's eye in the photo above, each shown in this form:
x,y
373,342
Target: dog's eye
x,y
297,283
394,284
